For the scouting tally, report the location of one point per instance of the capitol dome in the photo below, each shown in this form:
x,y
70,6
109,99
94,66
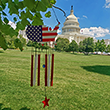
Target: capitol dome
x,y
71,29
71,24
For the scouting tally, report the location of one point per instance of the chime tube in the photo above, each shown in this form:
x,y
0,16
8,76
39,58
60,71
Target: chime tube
x,y
35,67
48,77
32,56
39,70
45,69
52,68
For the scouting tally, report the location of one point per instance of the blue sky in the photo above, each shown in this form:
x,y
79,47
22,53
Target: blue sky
x,y
93,16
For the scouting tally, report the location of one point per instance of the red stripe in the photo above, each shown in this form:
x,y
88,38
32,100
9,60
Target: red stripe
x,y
45,69
49,34
52,67
44,28
32,70
56,28
38,69
48,39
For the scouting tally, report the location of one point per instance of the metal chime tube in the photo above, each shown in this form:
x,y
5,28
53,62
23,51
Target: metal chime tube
x,y
45,69
39,70
32,56
35,67
48,78
52,68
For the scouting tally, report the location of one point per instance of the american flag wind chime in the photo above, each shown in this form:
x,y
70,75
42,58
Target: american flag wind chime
x,y
42,35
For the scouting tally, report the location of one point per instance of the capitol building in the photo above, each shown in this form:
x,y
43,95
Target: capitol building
x,y
71,29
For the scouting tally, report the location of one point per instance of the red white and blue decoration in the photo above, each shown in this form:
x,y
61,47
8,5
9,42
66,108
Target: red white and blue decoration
x,y
42,34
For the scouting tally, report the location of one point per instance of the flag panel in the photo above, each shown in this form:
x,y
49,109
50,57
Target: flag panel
x,y
41,34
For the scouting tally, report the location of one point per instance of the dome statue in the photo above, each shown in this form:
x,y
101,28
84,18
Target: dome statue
x,y
71,24
71,29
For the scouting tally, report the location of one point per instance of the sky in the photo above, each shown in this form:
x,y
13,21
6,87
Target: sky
x,y
93,16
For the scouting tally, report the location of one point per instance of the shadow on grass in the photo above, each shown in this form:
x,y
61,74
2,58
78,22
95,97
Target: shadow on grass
x,y
24,108
101,69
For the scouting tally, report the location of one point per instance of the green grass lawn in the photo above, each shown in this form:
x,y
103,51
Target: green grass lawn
x,y
80,82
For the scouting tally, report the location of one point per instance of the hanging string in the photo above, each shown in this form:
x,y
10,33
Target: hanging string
x,y
55,15
60,10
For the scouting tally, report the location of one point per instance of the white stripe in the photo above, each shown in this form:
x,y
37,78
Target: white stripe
x,y
48,77
55,31
35,67
48,37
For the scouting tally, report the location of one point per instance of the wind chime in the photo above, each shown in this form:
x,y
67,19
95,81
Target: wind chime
x,y
42,34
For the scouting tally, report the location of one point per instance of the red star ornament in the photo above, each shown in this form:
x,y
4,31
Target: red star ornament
x,y
45,102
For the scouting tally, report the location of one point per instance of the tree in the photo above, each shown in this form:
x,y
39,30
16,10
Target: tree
x,y
108,48
97,45
23,40
10,41
73,46
102,46
29,43
81,47
27,12
62,44
88,45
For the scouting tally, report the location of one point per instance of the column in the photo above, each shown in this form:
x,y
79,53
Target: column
x,y
76,39
79,39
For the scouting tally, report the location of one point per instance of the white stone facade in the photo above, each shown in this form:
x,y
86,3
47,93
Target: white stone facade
x,y
107,41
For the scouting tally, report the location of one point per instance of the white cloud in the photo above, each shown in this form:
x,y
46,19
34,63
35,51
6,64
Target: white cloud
x,y
95,31
58,31
78,17
13,25
84,16
107,4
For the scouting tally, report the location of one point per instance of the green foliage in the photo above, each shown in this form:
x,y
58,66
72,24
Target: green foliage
x,y
15,19
48,14
29,43
23,40
15,42
3,42
108,48
102,46
87,45
97,45
62,44
81,47
30,4
73,46
6,20
18,43
32,11
12,46
37,45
